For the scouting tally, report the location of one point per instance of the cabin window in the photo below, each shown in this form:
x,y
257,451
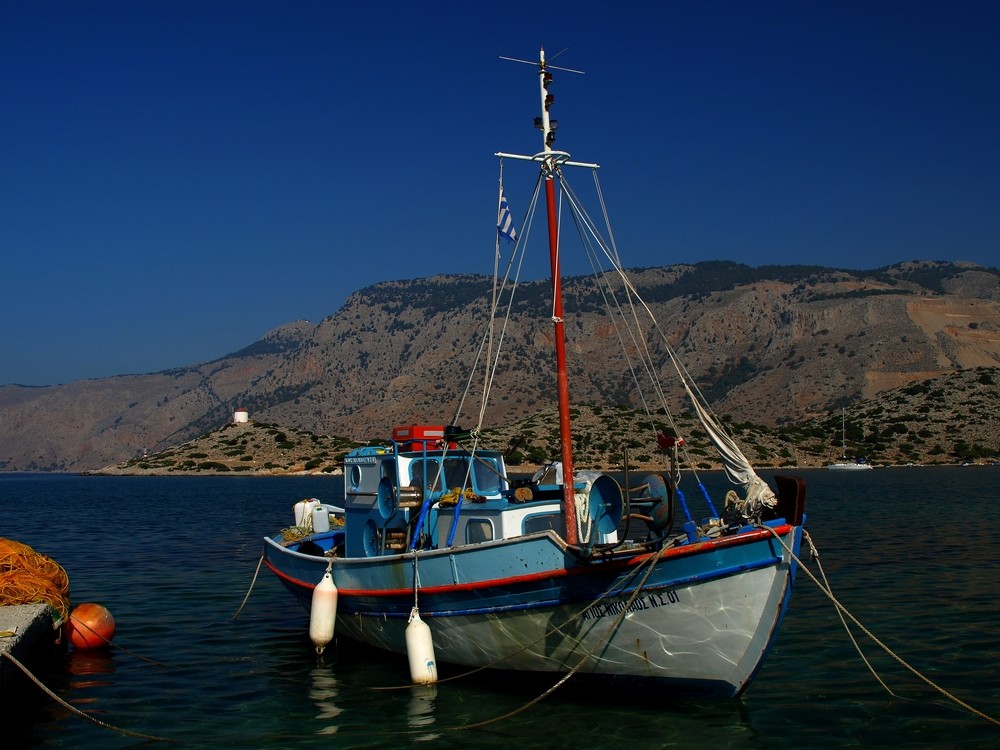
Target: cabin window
x,y
543,522
487,477
456,472
355,476
424,473
478,530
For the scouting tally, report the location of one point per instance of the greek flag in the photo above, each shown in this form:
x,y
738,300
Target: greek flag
x,y
505,222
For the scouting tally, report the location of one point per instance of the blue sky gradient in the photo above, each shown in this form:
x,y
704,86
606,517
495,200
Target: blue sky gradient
x,y
178,178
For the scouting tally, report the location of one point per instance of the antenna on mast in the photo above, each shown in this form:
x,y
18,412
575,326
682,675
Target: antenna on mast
x,y
543,122
543,63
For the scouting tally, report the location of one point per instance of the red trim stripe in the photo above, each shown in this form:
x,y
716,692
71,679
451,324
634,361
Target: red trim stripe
x,y
675,552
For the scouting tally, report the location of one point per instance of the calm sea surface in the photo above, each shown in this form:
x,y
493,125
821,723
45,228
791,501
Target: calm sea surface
x,y
911,552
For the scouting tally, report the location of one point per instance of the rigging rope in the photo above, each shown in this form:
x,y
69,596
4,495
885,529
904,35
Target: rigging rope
x,y
632,342
715,513
684,505
507,285
737,466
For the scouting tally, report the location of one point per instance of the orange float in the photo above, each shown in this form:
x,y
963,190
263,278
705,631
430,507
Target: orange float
x,y
90,626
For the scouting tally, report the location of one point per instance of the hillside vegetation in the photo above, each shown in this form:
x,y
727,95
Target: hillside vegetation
x,y
244,448
946,420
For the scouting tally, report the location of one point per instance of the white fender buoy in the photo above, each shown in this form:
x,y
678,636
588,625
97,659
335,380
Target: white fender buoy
x,y
420,650
323,613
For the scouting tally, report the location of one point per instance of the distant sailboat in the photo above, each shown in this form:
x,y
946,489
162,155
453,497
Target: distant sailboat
x,y
844,464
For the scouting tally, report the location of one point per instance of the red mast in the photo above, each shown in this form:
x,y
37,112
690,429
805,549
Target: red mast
x,y
549,166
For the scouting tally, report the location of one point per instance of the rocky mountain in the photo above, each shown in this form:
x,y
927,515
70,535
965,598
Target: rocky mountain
x,y
775,346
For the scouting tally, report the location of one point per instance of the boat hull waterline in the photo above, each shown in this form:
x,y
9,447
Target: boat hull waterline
x,y
701,622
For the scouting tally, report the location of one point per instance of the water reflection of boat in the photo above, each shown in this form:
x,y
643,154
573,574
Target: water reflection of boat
x,y
420,712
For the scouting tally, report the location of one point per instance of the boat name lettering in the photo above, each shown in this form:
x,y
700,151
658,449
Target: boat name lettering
x,y
361,459
650,601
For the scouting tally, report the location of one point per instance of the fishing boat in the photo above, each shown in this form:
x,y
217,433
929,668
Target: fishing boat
x,y
570,571
845,464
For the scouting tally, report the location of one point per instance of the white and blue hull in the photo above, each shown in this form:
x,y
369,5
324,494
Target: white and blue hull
x,y
701,622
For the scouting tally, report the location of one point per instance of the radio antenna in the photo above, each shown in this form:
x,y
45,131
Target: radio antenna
x,y
543,63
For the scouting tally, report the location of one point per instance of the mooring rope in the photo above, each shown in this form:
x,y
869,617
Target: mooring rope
x,y
651,565
814,553
583,659
618,584
841,608
252,584
83,714
81,625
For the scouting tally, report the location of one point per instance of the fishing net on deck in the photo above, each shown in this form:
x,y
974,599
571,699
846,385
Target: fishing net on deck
x,y
27,577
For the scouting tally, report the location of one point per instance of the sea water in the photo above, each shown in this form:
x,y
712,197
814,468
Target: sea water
x,y
912,553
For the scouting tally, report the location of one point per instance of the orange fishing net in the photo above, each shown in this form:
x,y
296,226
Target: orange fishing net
x,y
26,577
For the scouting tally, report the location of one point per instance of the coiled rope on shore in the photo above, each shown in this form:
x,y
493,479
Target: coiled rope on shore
x,y
28,577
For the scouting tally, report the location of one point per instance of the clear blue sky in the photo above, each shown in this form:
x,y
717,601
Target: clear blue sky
x,y
177,178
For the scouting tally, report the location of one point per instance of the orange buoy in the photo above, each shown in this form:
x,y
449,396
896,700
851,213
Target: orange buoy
x,y
90,626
